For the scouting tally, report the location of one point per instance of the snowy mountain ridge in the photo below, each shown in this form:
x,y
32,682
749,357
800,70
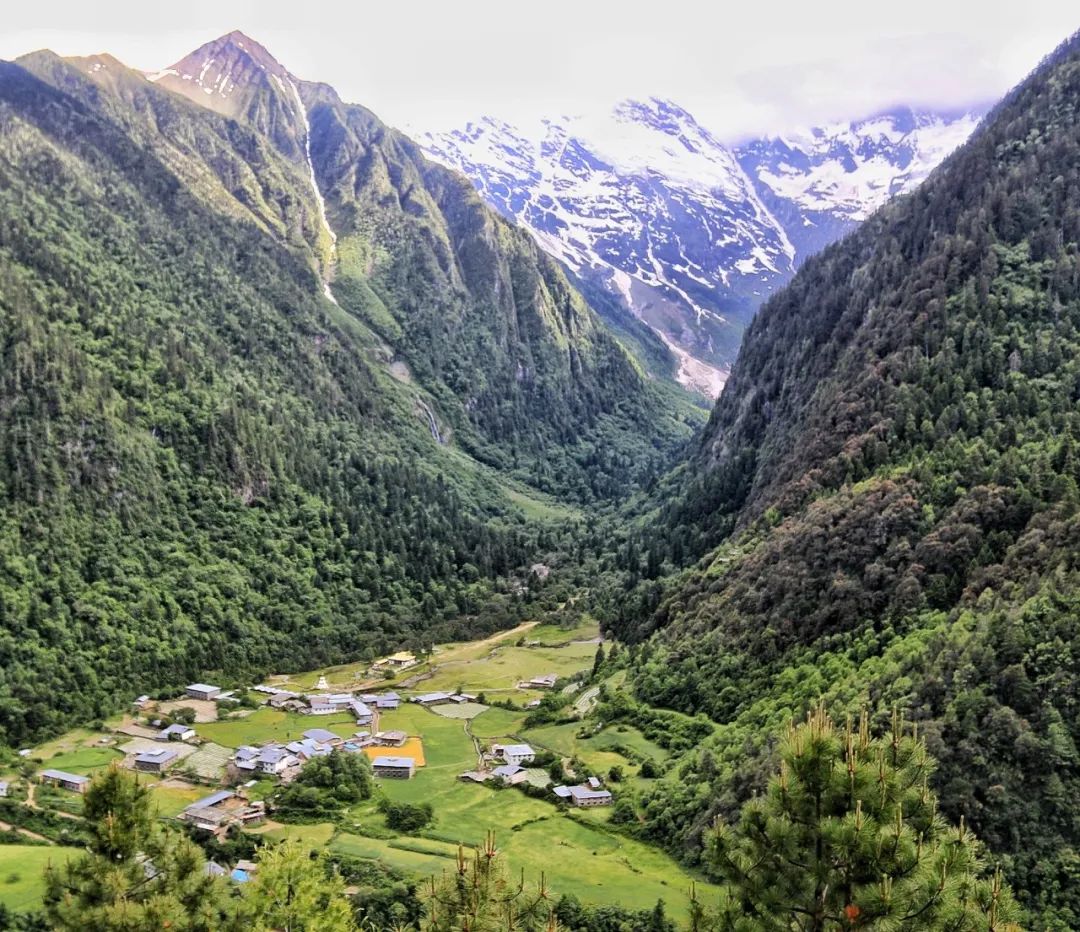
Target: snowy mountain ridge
x,y
692,233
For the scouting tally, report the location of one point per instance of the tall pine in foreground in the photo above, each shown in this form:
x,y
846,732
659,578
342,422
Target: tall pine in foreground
x,y
135,874
295,891
481,896
848,836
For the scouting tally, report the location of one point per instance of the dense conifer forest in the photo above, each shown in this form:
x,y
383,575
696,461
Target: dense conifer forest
x,y
883,508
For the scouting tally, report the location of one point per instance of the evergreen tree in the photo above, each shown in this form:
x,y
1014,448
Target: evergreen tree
x,y
848,836
479,897
598,661
295,892
135,875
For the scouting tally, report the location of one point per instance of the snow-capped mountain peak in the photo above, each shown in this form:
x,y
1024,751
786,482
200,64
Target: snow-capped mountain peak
x,y
645,200
693,234
850,169
219,67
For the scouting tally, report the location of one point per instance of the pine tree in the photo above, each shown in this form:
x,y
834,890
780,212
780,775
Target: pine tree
x,y
135,875
848,837
479,897
295,892
598,660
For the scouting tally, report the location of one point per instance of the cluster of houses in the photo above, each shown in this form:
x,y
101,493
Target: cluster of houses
x,y
363,708
513,770
510,772
283,761
219,811
322,703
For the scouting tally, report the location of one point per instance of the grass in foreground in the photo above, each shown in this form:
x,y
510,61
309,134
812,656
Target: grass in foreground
x,y
22,873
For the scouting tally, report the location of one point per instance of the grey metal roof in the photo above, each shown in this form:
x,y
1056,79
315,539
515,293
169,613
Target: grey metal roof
x,y
583,792
432,697
517,750
159,756
65,776
208,802
393,762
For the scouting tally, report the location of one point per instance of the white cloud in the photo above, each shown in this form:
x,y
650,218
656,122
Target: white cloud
x,y
741,68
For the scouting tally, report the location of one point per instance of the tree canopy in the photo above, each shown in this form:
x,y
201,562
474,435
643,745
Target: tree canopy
x,y
849,835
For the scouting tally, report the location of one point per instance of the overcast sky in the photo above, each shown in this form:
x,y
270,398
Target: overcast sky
x,y
741,68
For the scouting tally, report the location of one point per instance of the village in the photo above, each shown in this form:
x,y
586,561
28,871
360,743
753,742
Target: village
x,y
447,730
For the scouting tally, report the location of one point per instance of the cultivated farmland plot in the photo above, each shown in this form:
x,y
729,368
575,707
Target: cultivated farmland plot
x,y
208,762
462,710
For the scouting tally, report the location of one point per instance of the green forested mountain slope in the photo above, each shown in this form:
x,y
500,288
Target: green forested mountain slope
x,y
206,464
522,369
201,470
521,372
891,477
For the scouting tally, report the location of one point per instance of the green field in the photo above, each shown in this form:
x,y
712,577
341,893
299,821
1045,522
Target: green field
x,y
22,873
84,760
537,506
69,741
599,752
497,723
317,836
598,866
412,862
555,634
505,666
564,738
346,675
172,800
573,856
51,797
